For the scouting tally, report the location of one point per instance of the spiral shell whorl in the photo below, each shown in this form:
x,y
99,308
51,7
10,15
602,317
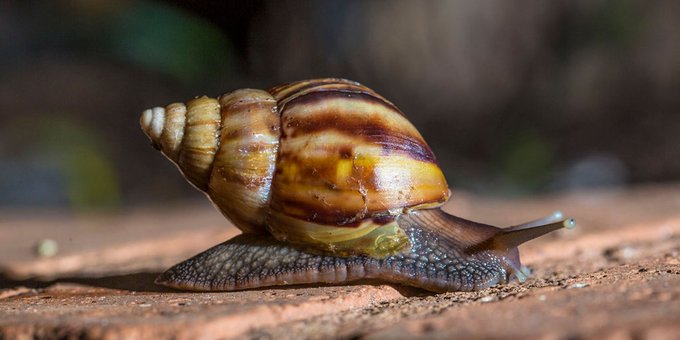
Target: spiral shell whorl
x,y
226,147
186,134
245,162
173,130
200,142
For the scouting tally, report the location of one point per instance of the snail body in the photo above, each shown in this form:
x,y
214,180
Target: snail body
x,y
329,182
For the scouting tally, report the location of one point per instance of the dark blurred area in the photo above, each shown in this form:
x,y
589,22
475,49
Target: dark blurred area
x,y
514,97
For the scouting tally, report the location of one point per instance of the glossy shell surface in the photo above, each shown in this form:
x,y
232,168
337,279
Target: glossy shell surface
x,y
324,163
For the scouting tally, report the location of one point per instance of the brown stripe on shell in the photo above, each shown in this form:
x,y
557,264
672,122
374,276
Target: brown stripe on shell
x,y
291,91
376,131
309,87
282,91
329,216
337,217
357,114
319,94
198,152
280,87
248,180
342,207
246,99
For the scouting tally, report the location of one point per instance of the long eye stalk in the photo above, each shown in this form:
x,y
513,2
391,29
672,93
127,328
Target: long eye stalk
x,y
512,237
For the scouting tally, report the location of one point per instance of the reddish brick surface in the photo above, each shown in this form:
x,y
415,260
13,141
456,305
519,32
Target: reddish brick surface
x,y
616,276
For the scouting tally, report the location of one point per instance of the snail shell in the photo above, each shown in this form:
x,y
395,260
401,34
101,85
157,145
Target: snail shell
x,y
325,163
329,182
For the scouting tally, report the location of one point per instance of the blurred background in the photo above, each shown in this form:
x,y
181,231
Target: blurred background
x,y
515,98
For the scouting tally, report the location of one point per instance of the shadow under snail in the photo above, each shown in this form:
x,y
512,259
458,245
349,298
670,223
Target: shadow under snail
x,y
329,183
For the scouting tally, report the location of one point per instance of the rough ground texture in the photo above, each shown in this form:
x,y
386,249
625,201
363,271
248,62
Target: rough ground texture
x,y
616,276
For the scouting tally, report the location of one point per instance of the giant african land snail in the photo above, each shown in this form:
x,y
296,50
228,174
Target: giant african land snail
x,y
329,183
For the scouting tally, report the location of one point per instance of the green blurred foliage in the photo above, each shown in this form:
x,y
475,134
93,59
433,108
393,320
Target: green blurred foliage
x,y
616,23
525,161
171,41
92,183
613,24
149,34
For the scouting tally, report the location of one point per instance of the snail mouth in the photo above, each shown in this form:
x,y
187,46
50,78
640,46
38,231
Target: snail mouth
x,y
513,267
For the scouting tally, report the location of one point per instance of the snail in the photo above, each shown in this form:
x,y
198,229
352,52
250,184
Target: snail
x,y
329,183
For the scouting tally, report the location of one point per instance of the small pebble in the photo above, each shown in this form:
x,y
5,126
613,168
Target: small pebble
x,y
144,305
488,298
578,285
628,252
47,248
541,297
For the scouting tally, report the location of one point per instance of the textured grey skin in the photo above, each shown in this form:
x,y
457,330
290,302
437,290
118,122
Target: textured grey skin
x,y
252,261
